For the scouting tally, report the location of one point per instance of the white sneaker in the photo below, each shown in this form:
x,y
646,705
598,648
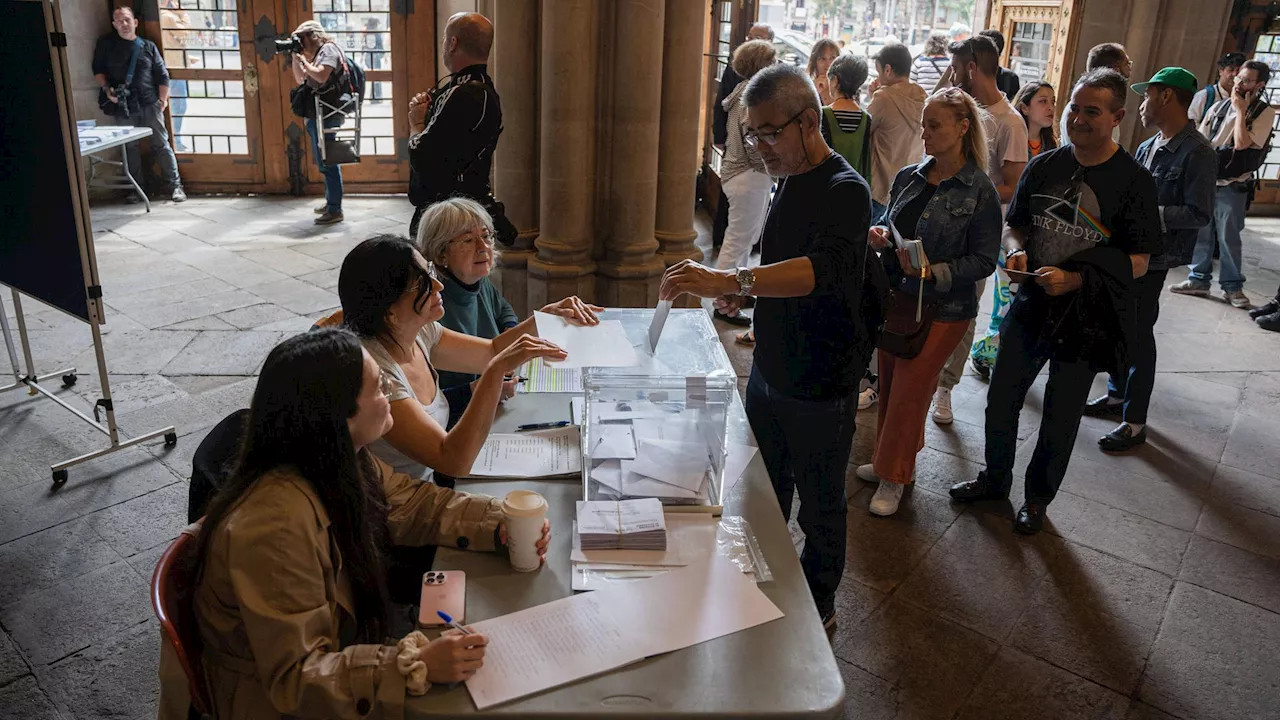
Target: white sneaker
x,y
867,398
885,502
867,473
942,407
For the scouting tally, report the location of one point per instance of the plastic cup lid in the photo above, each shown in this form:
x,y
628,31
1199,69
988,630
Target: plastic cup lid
x,y
524,503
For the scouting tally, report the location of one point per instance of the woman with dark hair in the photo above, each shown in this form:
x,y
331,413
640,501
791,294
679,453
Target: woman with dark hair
x,y
845,126
290,595
823,53
391,298
929,66
1034,102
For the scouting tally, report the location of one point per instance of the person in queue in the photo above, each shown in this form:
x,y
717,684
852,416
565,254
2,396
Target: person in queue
x,y
457,235
1035,103
845,125
813,346
742,175
1086,221
391,298
950,204
930,65
823,53
290,593
319,59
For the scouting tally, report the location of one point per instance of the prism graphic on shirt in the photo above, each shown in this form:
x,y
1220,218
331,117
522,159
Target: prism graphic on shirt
x,y
1064,220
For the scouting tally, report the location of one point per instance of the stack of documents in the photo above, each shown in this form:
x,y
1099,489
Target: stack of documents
x,y
622,525
544,453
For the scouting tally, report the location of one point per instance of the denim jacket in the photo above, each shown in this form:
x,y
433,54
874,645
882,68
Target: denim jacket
x,y
1185,170
960,229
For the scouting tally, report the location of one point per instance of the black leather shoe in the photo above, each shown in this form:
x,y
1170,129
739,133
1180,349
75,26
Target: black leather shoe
x,y
1122,438
980,488
1271,307
1030,519
740,320
1269,322
1102,407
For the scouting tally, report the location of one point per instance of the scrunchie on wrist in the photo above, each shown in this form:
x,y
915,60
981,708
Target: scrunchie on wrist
x,y
410,664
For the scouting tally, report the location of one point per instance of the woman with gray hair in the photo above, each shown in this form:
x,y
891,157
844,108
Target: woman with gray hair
x,y
457,235
930,65
742,173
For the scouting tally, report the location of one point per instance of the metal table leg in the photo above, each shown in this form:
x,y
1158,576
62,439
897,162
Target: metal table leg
x,y
124,155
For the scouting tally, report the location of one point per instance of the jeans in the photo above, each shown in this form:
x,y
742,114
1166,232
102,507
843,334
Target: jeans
x,y
152,117
1065,395
953,370
1135,383
877,212
1224,228
332,173
805,445
178,110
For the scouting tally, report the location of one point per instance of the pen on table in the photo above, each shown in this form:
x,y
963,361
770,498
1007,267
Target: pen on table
x,y
544,426
517,379
453,623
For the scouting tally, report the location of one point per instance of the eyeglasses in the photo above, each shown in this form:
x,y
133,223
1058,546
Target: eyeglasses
x,y
485,236
427,280
752,138
385,384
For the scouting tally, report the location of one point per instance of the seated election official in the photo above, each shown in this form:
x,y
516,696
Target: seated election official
x,y
391,299
290,594
457,235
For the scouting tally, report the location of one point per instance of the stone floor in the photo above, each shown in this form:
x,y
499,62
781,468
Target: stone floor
x,y
1154,595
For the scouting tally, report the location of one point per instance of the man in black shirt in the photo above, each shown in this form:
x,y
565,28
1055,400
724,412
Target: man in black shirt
x,y
1006,79
1085,220
812,346
148,92
454,129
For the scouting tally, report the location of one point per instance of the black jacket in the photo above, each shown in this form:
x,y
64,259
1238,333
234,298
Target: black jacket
x,y
720,118
454,154
111,58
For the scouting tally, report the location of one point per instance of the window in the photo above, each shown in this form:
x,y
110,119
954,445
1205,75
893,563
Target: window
x,y
201,41
1029,50
1268,51
362,28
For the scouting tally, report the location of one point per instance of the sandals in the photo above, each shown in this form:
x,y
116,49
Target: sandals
x,y
746,338
740,319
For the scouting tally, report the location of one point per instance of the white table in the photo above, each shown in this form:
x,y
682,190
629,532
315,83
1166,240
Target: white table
x,y
104,138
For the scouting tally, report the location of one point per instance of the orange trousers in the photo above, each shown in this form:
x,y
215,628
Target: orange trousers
x,y
906,389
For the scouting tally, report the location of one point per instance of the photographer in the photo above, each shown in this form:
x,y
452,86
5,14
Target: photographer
x,y
454,129
316,65
135,90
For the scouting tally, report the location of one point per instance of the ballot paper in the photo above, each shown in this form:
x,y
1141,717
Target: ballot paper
x,y
735,463
676,426
541,377
576,637
612,442
603,345
621,525
690,538
682,464
655,325
545,453
620,411
617,476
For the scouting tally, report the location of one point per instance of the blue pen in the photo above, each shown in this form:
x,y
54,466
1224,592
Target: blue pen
x,y
451,623
544,426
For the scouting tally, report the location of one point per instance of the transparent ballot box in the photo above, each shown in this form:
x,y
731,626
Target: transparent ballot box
x,y
659,429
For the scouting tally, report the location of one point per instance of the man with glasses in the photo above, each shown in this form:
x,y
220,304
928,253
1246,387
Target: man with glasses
x,y
1084,219
812,345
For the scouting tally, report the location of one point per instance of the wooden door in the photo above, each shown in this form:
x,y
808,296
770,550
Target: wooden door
x,y
215,115
1041,39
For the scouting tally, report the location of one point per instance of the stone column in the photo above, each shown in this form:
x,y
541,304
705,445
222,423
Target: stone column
x,y
678,151
562,265
515,162
630,270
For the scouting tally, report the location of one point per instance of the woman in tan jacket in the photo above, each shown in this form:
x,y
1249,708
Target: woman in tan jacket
x,y
290,595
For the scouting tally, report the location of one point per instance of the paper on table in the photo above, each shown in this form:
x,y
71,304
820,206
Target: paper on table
x,y
545,453
735,463
620,518
613,442
603,345
677,463
548,378
655,325
576,637
690,538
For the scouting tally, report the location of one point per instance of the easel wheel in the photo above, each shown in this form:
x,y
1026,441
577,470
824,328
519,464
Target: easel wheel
x,y
59,478
68,380
170,439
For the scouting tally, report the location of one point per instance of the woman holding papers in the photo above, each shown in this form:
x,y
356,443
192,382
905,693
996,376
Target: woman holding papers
x,y
456,235
392,298
289,594
947,215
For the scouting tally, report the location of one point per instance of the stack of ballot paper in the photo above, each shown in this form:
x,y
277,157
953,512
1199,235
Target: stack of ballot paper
x,y
622,525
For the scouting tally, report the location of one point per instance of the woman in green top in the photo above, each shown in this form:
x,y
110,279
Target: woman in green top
x,y
457,235
845,125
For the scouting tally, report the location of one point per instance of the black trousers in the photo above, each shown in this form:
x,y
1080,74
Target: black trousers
x,y
1017,364
1135,383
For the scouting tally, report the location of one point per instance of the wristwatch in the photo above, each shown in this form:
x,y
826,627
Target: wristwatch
x,y
746,281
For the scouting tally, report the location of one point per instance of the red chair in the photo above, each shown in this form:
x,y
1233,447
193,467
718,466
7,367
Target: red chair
x,y
171,591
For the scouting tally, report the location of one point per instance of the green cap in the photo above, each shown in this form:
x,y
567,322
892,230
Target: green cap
x,y
1174,77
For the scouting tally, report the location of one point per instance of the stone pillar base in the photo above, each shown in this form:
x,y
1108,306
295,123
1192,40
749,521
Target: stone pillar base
x,y
550,282
629,284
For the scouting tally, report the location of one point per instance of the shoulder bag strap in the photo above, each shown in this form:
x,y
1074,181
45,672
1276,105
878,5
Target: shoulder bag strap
x,y
133,61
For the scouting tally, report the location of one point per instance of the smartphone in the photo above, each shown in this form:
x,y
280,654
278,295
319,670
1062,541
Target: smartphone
x,y
442,590
1023,273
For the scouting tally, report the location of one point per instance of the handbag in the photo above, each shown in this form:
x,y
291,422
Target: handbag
x,y
907,321
302,101
340,152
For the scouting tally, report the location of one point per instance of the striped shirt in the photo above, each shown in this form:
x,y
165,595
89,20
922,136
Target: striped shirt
x,y
926,71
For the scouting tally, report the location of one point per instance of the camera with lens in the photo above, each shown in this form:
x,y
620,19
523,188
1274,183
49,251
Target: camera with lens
x,y
122,93
292,44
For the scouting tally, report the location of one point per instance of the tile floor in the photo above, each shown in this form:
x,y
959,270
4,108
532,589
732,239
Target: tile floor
x,y
1155,593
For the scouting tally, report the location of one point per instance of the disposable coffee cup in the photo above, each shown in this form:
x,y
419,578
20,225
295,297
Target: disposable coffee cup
x,y
524,511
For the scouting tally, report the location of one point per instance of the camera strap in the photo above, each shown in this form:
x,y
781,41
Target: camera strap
x,y
133,62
